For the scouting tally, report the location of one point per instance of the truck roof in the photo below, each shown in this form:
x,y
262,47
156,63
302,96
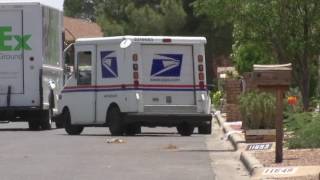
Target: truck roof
x,y
144,40
31,2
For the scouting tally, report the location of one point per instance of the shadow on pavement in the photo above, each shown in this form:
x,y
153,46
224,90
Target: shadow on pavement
x,y
206,150
148,134
15,129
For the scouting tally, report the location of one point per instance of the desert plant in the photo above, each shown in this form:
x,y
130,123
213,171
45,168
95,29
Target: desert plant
x,y
258,110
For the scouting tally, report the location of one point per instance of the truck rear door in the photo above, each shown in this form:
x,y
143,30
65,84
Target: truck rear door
x,y
11,53
168,75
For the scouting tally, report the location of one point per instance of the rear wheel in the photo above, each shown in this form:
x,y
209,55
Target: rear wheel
x,y
185,129
205,129
71,129
116,122
59,121
34,124
45,120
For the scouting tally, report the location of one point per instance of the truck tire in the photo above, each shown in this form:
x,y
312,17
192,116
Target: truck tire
x,y
59,121
204,129
59,124
69,128
185,129
34,124
133,129
116,122
45,120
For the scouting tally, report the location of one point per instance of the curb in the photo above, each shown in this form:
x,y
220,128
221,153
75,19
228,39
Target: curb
x,y
250,162
236,140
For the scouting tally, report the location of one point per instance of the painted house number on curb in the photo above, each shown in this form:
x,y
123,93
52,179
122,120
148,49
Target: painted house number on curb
x,y
259,147
279,170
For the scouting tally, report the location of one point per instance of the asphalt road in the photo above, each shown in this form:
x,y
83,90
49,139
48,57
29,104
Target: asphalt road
x,y
158,153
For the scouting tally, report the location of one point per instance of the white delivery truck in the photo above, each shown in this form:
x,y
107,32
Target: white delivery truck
x,y
31,68
131,81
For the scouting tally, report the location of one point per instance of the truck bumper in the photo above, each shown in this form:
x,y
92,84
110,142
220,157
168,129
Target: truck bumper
x,y
168,120
19,113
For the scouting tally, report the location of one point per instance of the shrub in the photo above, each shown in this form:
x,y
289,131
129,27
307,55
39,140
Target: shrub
x,y
258,110
297,121
216,99
305,128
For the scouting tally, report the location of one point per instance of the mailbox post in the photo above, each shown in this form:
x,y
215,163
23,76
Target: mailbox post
x,y
274,78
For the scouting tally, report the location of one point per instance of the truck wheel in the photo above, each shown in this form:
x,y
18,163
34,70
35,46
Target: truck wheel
x,y
59,121
71,129
59,124
204,129
116,122
46,120
185,129
34,124
133,129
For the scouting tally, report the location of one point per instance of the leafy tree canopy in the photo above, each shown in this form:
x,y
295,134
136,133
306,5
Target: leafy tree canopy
x,y
285,30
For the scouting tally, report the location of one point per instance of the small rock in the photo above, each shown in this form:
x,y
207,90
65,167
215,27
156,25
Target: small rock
x,y
115,141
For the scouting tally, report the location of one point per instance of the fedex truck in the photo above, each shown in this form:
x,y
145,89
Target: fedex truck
x,y
31,68
131,81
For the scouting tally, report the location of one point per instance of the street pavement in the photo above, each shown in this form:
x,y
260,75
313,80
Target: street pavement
x,y
158,153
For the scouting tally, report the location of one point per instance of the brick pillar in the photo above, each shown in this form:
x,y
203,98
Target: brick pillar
x,y
233,89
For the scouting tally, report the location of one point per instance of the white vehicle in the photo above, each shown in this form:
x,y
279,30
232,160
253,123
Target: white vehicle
x,y
31,68
127,82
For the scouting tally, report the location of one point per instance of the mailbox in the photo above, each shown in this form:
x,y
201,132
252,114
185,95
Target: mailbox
x,y
272,75
274,78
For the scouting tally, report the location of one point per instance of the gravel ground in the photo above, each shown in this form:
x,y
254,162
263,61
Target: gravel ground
x,y
297,157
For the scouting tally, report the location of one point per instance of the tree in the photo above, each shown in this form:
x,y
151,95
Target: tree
x,y
84,9
287,30
140,17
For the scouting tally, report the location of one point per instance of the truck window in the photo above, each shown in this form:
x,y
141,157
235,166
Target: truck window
x,y
84,68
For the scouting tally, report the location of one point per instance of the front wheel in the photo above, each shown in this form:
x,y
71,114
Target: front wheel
x,y
133,129
185,129
71,129
116,122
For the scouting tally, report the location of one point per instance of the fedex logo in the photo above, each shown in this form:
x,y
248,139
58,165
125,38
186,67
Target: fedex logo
x,y
22,41
166,65
109,64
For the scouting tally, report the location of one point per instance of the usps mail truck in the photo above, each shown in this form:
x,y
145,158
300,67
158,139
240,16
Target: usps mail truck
x,y
127,82
31,72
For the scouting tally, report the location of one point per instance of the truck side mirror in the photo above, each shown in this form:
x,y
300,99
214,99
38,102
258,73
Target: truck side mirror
x,y
67,69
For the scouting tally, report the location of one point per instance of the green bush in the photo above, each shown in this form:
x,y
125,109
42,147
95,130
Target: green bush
x,y
216,99
296,121
305,128
258,110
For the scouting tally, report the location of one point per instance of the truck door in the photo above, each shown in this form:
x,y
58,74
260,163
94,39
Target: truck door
x,y
11,54
168,75
84,99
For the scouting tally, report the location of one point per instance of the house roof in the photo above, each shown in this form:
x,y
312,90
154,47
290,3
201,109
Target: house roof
x,y
79,28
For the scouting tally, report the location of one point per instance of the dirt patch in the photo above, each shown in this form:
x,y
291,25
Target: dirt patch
x,y
297,157
171,146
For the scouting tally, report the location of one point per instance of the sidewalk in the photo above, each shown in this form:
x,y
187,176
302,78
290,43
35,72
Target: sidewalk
x,y
250,152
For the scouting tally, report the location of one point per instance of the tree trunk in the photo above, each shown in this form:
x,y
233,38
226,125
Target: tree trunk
x,y
305,88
